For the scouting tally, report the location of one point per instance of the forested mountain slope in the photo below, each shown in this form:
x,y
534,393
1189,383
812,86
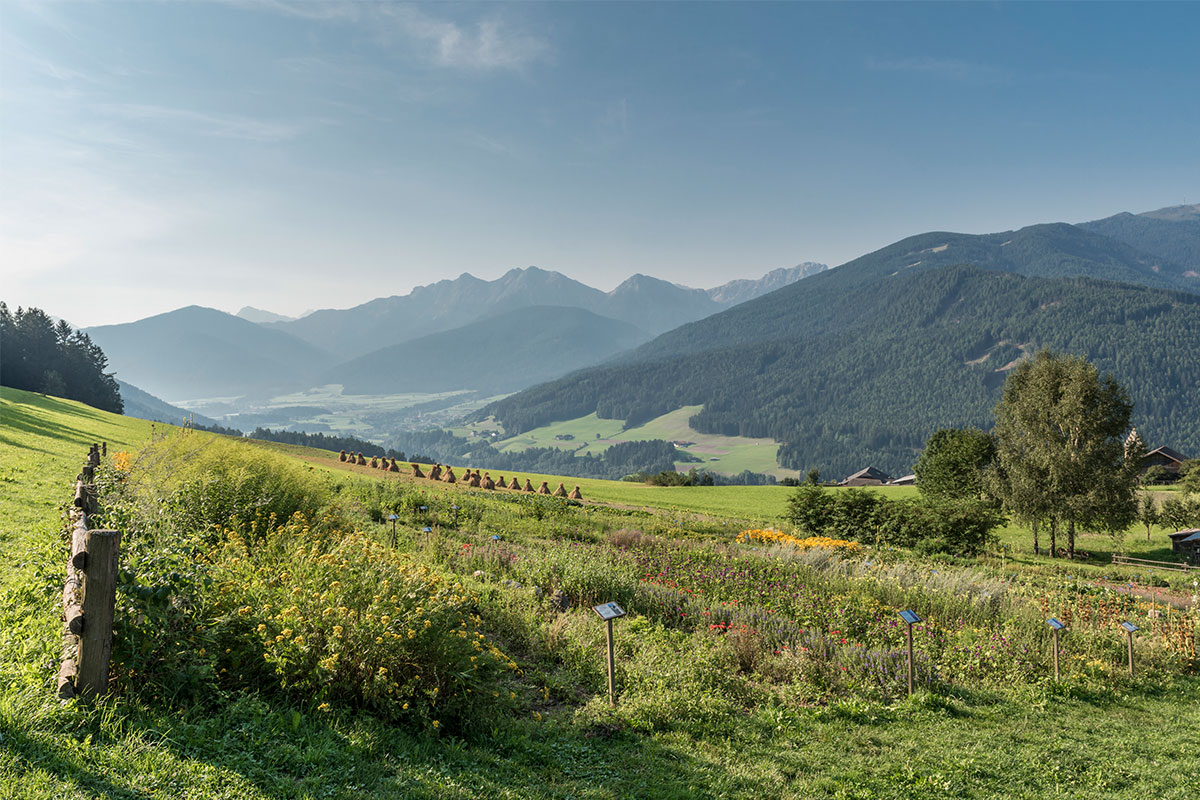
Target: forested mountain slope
x,y
1171,233
499,354
850,378
816,305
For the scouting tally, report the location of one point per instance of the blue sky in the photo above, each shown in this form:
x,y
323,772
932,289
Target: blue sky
x,y
294,155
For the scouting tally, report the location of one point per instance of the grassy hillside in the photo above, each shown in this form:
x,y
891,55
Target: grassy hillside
x,y
727,455
707,708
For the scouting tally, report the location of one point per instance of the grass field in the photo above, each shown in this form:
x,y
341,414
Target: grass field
x,y
727,455
691,723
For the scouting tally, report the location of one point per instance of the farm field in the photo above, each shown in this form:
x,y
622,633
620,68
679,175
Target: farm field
x,y
727,455
706,709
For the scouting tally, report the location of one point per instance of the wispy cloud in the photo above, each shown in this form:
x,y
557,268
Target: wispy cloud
x,y
490,43
954,69
225,126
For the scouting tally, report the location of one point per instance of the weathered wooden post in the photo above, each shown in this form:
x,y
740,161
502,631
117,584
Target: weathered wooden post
x,y
73,608
101,549
393,518
911,618
104,449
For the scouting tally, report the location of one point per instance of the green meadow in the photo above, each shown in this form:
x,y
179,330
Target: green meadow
x,y
279,667
727,455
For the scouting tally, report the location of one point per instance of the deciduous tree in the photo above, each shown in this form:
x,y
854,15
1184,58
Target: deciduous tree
x,y
1061,449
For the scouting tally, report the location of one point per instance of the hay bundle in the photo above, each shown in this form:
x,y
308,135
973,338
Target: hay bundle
x,y
528,485
416,471
342,456
475,479
544,488
449,478
500,482
393,467
361,461
435,472
487,482
374,462
576,494
561,491
515,484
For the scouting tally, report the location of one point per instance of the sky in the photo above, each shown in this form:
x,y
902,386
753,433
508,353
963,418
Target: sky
x,y
294,155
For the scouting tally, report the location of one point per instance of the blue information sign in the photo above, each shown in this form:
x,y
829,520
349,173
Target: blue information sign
x,y
1053,623
910,617
1129,626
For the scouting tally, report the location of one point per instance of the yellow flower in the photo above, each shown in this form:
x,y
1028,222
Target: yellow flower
x,y
323,707
436,723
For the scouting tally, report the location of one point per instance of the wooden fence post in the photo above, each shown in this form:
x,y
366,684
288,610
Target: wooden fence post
x,y
99,599
73,608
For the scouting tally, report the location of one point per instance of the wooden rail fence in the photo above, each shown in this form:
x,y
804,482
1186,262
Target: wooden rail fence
x,y
1168,566
89,593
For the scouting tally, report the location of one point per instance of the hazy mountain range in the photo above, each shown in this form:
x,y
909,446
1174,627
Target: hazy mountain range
x,y
648,303
195,352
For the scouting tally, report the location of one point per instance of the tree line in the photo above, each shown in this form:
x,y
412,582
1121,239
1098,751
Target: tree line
x,y
41,355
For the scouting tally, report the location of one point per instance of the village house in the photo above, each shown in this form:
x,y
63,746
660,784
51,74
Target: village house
x,y
867,477
1166,458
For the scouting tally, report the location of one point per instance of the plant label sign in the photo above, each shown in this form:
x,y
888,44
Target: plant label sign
x,y
609,611
1129,626
1054,623
910,617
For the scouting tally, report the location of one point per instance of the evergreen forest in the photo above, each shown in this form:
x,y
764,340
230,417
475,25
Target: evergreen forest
x,y
41,355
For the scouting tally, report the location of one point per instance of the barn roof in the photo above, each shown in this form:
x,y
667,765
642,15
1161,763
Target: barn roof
x,y
1167,452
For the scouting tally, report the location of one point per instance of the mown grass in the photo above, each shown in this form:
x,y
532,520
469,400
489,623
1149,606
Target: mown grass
x,y
678,733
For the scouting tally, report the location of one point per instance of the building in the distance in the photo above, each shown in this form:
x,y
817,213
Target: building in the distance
x,y
1164,457
867,477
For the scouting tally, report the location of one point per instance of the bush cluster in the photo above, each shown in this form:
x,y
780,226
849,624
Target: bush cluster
x,y
947,526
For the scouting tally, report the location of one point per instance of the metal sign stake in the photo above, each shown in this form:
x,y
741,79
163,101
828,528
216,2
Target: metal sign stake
x,y
608,612
1129,630
911,618
1055,627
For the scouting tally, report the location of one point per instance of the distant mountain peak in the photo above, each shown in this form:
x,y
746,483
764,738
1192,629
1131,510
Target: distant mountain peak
x,y
252,314
739,291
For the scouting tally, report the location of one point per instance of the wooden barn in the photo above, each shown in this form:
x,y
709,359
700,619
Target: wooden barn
x,y
1170,460
867,477
1186,542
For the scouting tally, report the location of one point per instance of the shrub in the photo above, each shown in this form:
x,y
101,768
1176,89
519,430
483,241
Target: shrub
x,y
341,618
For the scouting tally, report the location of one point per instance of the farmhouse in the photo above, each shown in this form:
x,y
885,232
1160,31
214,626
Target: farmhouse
x,y
867,477
1186,542
1170,460
907,480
